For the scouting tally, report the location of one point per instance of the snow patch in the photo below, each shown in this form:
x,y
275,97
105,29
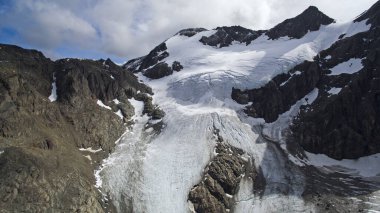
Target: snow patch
x,y
291,75
368,166
155,121
357,27
229,196
1,152
90,149
297,73
351,66
118,113
100,103
334,91
116,101
88,157
53,96
149,130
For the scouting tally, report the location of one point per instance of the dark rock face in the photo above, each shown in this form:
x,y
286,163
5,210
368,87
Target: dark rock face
x,y
149,108
151,65
41,168
159,70
221,180
157,54
372,14
133,64
310,20
176,66
343,125
222,177
190,32
224,36
77,79
280,93
39,181
347,125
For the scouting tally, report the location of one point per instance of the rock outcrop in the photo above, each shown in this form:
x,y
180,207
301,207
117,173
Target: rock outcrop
x,y
309,20
345,124
280,93
41,168
152,66
221,180
224,36
190,32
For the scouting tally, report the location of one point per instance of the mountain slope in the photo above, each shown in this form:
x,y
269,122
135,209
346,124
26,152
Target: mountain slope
x,y
245,95
49,110
344,121
309,20
233,120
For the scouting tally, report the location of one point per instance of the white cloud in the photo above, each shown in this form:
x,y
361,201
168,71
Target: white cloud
x,y
130,28
48,24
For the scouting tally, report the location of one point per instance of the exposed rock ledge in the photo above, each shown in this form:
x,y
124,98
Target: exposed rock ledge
x,y
221,180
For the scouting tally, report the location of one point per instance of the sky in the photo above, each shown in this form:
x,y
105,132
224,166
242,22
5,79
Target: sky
x,y
126,29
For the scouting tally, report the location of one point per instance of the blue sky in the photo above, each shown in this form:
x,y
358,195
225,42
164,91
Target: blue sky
x,y
125,29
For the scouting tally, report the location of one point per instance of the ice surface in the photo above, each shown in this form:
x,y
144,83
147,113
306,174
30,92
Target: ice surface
x,y
155,174
53,96
351,66
100,103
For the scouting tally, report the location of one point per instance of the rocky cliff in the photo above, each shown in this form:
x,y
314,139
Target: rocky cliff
x,y
41,166
309,20
344,120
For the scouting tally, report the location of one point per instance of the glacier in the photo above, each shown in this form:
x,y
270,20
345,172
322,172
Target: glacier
x,y
154,173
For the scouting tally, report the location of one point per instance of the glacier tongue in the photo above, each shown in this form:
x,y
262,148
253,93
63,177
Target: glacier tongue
x,y
155,173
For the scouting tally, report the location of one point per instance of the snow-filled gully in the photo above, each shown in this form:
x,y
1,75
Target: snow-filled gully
x,y
150,173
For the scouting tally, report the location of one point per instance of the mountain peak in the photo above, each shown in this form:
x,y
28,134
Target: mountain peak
x,y
311,8
310,19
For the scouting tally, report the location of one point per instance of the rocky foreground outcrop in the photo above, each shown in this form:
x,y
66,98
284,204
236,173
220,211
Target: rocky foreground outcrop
x,y
221,179
343,124
41,166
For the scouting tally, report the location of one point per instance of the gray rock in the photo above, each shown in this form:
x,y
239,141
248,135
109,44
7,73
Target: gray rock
x,y
221,180
309,20
224,36
41,169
